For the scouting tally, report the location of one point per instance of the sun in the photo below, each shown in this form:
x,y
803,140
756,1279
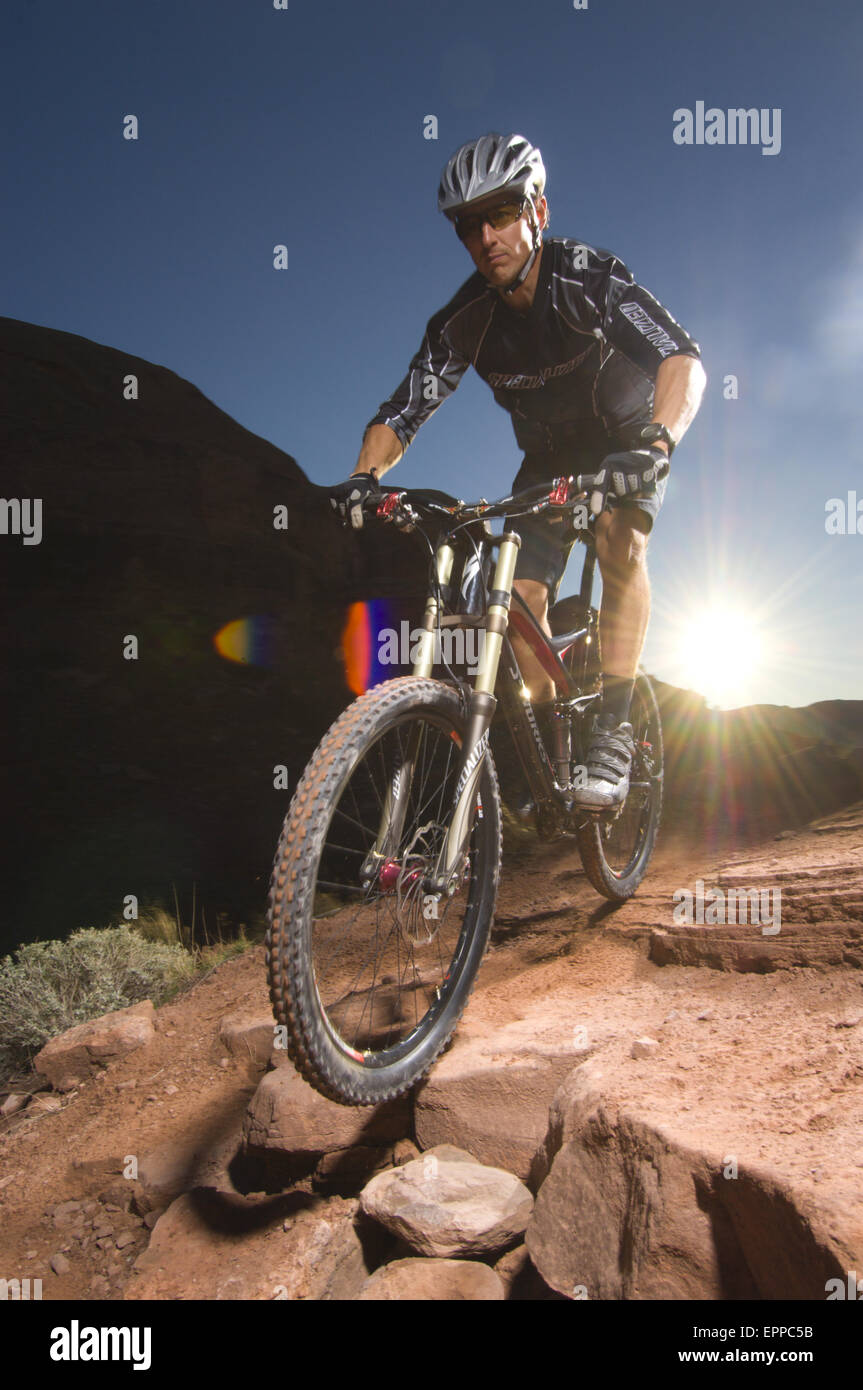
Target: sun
x,y
721,651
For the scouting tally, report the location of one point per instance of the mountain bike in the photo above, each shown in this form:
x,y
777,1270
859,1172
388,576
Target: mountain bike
x,y
385,878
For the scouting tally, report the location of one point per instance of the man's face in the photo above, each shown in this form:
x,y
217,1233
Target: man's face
x,y
499,255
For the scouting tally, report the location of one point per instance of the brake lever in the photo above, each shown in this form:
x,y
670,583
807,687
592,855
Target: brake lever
x,y
394,508
576,487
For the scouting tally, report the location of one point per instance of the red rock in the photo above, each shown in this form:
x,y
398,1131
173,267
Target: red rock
x,y
433,1280
71,1057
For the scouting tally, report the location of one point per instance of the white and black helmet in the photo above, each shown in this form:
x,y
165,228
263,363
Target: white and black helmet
x,y
492,164
495,164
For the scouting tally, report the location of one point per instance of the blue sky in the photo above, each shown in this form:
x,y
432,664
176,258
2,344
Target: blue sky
x,y
305,126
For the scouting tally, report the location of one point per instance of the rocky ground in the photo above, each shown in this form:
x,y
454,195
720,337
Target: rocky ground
x,y
632,1108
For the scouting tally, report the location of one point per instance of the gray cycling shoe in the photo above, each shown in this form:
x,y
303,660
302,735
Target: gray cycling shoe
x,y
609,762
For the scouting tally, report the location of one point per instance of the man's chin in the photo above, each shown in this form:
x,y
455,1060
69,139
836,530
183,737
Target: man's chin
x,y
497,272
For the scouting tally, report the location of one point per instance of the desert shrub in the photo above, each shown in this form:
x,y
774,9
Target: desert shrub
x,y
49,986
155,924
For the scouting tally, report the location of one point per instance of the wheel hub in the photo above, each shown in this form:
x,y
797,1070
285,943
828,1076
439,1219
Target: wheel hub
x,y
390,875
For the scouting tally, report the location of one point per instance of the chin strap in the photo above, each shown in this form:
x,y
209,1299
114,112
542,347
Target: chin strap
x,y
522,274
537,243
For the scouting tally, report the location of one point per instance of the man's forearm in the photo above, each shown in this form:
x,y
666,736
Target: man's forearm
x,y
680,384
381,449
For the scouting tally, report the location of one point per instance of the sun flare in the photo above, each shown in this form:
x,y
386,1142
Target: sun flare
x,y
720,653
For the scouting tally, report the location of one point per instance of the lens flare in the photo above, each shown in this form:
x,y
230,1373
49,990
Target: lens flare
x,y
361,644
248,641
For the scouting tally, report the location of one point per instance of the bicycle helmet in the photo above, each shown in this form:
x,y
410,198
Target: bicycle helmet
x,y
494,164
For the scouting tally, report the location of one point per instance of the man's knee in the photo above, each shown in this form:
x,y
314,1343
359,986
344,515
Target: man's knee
x,y
620,545
535,595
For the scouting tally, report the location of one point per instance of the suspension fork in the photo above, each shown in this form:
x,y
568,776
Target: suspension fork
x,y
395,807
447,872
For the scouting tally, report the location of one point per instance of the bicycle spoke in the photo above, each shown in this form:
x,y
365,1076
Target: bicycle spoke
x,y
356,807
369,974
358,824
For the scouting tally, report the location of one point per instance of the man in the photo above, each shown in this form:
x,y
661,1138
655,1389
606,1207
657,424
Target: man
x,y
597,377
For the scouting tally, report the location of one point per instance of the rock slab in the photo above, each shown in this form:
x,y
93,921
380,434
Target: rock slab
x,y
288,1116
640,1204
490,1094
208,1247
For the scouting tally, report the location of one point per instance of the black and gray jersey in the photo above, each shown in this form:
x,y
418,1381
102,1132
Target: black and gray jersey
x,y
581,362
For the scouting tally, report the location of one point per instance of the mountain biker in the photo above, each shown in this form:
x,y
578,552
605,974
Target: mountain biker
x,y
597,377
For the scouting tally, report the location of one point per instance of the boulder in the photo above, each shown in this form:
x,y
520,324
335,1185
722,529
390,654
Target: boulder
x,y
195,1253
490,1091
446,1203
449,1280
288,1116
77,1054
249,1036
643,1202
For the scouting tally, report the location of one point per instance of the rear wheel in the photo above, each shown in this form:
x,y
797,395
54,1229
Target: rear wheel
x,y
616,847
370,974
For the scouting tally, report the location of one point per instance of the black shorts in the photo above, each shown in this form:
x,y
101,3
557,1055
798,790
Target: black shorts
x,y
546,540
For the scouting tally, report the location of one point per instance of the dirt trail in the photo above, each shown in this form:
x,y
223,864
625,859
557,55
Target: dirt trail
x,y
778,1017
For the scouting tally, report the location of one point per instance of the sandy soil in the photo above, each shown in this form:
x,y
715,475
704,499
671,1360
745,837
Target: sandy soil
x,y
782,1015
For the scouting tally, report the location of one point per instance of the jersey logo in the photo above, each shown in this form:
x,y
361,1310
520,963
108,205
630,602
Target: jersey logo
x,y
532,383
641,320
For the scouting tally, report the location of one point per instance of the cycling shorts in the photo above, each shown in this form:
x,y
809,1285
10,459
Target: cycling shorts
x,y
546,539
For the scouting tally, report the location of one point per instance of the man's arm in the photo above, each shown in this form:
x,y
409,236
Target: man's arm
x,y
381,449
635,323
434,372
680,383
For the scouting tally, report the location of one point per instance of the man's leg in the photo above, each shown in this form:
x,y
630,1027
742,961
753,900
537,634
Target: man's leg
x,y
621,550
537,680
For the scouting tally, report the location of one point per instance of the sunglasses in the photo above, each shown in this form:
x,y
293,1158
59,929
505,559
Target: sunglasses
x,y
503,215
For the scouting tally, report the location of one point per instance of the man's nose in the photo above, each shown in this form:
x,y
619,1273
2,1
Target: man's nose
x,y
488,234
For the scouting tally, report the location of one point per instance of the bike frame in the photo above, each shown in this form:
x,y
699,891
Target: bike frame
x,y
549,785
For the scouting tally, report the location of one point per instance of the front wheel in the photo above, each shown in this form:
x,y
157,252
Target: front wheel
x,y
615,848
370,973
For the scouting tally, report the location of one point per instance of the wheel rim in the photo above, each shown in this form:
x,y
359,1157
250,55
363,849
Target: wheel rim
x,y
384,967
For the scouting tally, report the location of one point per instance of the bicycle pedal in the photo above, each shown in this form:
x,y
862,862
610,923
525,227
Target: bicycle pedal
x,y
605,814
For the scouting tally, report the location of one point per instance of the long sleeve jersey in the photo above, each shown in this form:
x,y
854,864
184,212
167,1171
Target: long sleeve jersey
x,y
580,364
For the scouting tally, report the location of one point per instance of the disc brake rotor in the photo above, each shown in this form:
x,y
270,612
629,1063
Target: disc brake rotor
x,y
420,915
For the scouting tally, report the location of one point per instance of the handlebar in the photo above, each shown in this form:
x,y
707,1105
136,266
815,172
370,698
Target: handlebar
x,y
405,506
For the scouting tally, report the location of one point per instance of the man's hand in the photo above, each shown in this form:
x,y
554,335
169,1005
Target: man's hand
x,y
346,499
631,473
